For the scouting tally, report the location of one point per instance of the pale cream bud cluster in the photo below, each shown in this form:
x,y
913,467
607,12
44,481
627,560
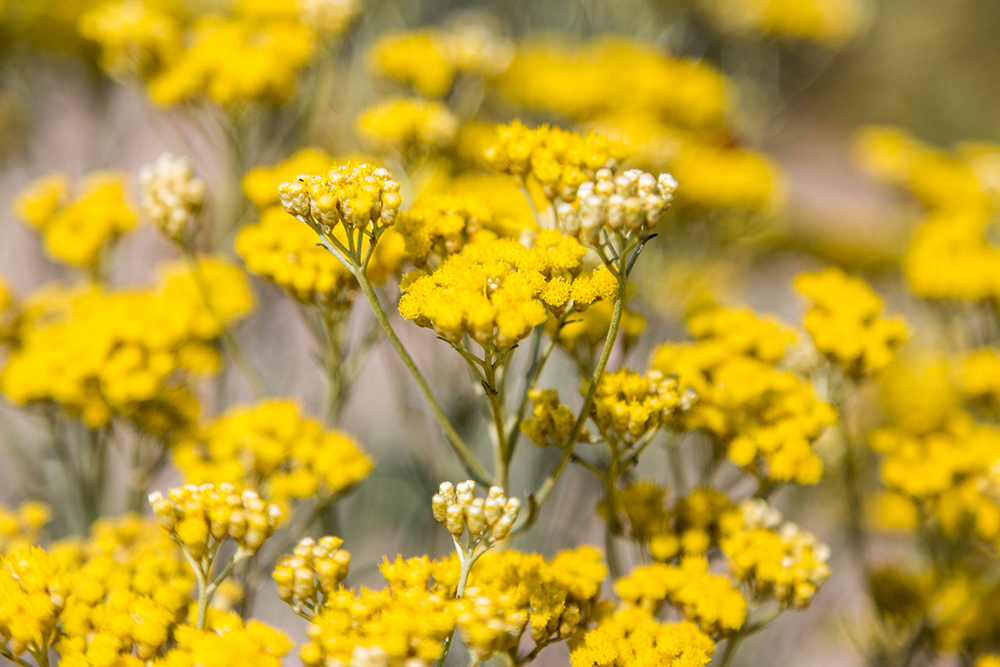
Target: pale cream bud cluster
x,y
632,201
199,517
170,194
355,194
489,519
308,575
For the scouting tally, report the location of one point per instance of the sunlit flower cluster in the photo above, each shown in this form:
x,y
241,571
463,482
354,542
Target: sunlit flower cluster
x,y
132,590
101,353
358,196
707,599
200,517
311,573
558,160
633,637
229,641
629,404
488,519
274,449
776,556
77,229
497,290
33,586
846,323
765,418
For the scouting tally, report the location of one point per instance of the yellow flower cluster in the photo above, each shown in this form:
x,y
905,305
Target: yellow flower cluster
x,y
950,255
228,642
826,21
630,405
20,529
595,78
978,376
630,203
406,124
199,518
709,600
441,225
552,422
509,592
33,587
282,249
429,59
496,290
100,353
76,231
845,322
633,637
252,53
356,195
560,161
406,623
274,449
776,557
132,588
765,418
310,575
946,472
488,520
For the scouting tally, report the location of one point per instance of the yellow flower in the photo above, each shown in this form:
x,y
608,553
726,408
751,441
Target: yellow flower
x,y
261,184
630,405
310,575
230,642
825,21
136,37
271,447
415,59
632,637
77,231
403,124
33,587
845,322
20,529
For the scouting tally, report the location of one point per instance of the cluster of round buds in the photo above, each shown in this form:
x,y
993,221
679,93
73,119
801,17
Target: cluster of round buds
x,y
355,194
632,201
199,517
311,572
490,518
170,193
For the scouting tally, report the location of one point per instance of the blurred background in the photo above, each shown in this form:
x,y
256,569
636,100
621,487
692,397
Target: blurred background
x,y
798,79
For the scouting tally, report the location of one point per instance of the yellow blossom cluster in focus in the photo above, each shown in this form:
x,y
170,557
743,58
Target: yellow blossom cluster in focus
x,y
228,641
274,449
77,230
629,404
633,637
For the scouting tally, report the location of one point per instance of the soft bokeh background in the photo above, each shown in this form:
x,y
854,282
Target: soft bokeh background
x,y
927,65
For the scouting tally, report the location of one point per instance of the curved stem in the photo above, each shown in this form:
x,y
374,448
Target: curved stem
x,y
469,461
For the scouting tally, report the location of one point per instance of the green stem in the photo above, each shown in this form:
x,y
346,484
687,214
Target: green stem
x,y
545,490
496,407
469,461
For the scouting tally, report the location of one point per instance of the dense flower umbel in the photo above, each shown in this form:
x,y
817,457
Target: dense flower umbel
x,y
132,589
170,193
632,637
356,195
552,422
496,290
489,519
629,405
200,517
845,322
632,202
101,354
33,588
709,600
76,230
310,575
777,557
765,418
560,161
229,641
272,448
